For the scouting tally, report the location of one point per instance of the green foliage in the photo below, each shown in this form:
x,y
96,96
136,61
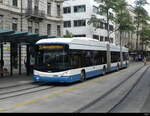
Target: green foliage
x,y
103,9
141,20
123,18
68,34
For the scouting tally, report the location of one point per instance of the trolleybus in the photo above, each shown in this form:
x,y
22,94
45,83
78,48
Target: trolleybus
x,y
75,59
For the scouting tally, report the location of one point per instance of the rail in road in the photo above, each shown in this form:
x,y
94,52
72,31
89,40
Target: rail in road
x,y
27,88
116,105
19,90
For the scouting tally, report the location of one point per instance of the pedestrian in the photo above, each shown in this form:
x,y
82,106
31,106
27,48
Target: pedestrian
x,y
144,60
1,63
27,66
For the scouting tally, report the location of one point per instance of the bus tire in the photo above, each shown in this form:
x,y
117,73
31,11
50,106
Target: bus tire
x,y
126,64
104,70
82,76
117,67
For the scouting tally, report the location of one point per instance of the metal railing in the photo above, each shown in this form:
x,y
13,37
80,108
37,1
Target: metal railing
x,y
35,13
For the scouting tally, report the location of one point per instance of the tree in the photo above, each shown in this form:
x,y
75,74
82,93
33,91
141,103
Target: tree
x,y
68,34
141,17
123,21
122,18
104,9
145,35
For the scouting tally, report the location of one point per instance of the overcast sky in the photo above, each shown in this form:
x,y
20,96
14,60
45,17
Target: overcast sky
x,y
147,7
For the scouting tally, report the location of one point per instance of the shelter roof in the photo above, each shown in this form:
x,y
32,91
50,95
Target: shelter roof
x,y
18,36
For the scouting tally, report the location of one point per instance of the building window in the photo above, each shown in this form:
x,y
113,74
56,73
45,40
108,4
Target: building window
x,y
36,30
36,7
66,10
111,28
36,2
101,38
80,35
1,1
48,29
79,23
106,26
67,23
58,10
14,24
30,29
111,40
49,9
30,25
98,25
81,8
58,30
101,25
15,3
96,37
37,27
1,21
106,39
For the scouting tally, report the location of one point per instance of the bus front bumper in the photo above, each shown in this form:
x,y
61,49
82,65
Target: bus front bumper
x,y
63,79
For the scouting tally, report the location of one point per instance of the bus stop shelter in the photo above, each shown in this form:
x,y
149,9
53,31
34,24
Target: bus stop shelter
x,y
17,38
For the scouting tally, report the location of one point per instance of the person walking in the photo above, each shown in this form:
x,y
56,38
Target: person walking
x,y
144,60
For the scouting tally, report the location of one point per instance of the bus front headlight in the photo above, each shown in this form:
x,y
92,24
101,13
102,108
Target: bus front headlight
x,y
37,78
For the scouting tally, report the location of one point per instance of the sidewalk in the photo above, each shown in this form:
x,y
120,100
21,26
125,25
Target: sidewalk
x,y
15,80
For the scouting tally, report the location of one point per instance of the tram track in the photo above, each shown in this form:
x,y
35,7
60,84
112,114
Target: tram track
x,y
24,91
114,107
27,88
82,109
18,85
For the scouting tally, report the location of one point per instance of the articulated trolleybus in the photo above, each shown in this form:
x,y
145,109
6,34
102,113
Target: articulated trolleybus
x,y
75,59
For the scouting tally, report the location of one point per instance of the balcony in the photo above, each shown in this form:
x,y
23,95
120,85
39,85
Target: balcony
x,y
35,14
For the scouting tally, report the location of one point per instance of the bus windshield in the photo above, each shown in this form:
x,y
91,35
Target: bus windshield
x,y
51,58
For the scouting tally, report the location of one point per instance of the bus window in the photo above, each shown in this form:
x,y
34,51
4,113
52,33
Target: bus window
x,y
75,59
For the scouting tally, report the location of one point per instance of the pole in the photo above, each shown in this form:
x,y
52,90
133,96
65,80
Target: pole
x,y
21,21
2,57
121,57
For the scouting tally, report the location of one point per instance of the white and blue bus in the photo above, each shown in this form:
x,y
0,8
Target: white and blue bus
x,y
75,59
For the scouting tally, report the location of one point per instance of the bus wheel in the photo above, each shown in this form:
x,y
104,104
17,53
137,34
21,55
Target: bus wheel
x,y
104,71
117,67
126,64
82,76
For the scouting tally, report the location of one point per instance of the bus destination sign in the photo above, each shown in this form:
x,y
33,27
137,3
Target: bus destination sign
x,y
42,47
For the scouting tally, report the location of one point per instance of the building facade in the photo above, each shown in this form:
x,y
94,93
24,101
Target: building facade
x,y
77,13
35,16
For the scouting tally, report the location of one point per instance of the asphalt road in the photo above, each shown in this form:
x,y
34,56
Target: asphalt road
x,y
73,97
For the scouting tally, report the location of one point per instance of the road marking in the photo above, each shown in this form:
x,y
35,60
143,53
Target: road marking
x,y
54,94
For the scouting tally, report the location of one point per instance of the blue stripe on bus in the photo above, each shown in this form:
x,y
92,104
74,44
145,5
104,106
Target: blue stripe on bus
x,y
70,79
